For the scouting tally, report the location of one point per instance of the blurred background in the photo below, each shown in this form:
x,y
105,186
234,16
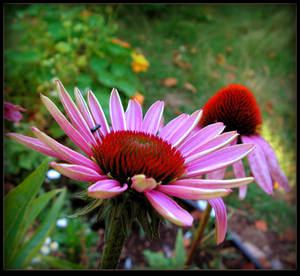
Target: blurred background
x,y
181,54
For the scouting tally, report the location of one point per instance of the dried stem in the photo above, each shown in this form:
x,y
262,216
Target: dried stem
x,y
199,234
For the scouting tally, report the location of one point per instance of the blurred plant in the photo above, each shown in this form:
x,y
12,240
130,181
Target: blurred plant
x,y
78,44
21,209
157,260
12,112
76,241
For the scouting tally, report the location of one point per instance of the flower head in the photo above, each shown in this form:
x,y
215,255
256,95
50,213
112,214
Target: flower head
x,y
236,107
135,164
140,63
12,112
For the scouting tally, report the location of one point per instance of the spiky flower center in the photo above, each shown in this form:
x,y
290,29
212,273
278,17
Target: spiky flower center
x,y
236,107
123,154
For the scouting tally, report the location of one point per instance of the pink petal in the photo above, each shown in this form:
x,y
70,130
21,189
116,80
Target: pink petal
x,y
259,166
84,110
173,126
169,209
153,117
34,144
67,127
116,111
276,173
181,133
97,113
217,174
74,114
106,188
200,137
239,172
214,183
134,115
214,144
218,159
193,193
64,152
221,218
77,172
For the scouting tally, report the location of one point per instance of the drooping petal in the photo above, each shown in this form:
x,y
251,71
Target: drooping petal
x,y
169,129
214,144
218,159
106,188
169,209
193,193
134,115
116,111
74,114
67,127
259,166
64,152
276,173
77,172
34,144
221,218
180,134
200,137
239,172
97,113
152,118
214,183
216,174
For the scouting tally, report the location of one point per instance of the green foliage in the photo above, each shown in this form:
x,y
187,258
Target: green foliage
x,y
58,263
21,208
73,44
76,241
157,260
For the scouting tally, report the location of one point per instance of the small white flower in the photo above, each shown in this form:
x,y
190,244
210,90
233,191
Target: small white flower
x,y
54,246
47,241
45,250
63,222
53,174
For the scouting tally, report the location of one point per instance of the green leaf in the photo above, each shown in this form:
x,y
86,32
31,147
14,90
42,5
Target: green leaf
x,y
16,205
117,50
31,247
54,262
126,87
37,206
157,260
180,253
107,79
98,64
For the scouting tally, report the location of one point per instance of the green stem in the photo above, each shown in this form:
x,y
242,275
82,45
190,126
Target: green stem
x,y
199,235
114,245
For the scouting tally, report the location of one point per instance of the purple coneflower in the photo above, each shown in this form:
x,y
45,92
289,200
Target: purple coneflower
x,y
236,107
135,157
12,112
